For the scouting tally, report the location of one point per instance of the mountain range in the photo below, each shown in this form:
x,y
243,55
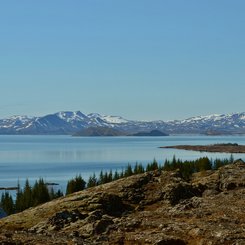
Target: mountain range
x,y
68,122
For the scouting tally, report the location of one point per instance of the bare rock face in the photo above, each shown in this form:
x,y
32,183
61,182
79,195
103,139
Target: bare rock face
x,y
151,208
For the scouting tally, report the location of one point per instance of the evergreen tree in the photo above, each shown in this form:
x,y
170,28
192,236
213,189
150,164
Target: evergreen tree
x,y
138,168
174,162
40,193
7,203
58,194
106,178
75,185
92,181
186,170
166,166
27,196
54,195
217,164
19,203
152,166
128,171
116,175
122,174
101,178
110,176
231,159
203,164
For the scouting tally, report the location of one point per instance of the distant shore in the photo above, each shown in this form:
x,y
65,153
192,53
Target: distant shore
x,y
222,148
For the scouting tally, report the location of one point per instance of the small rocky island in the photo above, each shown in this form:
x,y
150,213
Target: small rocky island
x,y
224,148
154,132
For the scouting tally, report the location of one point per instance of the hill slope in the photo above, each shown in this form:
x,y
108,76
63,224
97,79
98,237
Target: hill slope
x,y
151,208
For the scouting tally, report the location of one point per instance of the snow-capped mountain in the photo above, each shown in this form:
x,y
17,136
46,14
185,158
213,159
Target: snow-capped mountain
x,y
64,122
68,122
108,119
14,123
211,124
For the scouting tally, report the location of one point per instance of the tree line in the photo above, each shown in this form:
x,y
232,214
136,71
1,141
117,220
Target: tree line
x,y
186,169
31,196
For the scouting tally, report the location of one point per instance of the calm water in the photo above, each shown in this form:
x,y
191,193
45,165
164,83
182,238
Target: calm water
x,y
59,158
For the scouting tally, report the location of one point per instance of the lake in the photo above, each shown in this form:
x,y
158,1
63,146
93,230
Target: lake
x,y
59,158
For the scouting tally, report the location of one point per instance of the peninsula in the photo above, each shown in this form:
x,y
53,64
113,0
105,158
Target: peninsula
x,y
224,148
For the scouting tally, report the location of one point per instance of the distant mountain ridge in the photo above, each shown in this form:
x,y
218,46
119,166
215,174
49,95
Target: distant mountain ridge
x,y
68,122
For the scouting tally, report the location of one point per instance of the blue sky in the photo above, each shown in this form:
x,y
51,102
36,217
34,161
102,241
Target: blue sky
x,y
161,59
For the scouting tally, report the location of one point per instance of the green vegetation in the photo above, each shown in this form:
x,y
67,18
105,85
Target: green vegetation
x,y
39,193
7,203
28,197
186,169
76,184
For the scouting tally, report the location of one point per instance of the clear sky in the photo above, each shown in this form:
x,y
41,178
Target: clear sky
x,y
141,59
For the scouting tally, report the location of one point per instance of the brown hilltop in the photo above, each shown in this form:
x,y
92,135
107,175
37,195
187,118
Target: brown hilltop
x,y
150,208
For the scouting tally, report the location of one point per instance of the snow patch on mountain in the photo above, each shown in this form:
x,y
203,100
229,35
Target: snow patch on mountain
x,y
114,119
70,116
15,121
107,119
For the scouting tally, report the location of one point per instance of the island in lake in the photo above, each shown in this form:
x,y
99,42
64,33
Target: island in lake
x,y
107,131
154,132
225,147
99,131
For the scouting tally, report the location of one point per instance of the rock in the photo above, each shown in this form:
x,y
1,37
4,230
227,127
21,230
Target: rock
x,y
60,219
95,215
112,204
186,204
94,206
170,241
230,176
102,225
175,193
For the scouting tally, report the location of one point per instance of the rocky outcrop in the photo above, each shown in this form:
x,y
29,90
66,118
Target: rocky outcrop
x,y
151,208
